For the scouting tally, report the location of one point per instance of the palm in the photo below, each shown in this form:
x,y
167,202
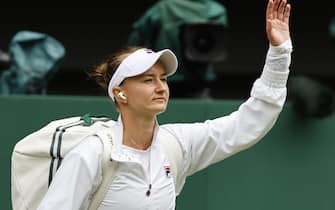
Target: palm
x,y
277,21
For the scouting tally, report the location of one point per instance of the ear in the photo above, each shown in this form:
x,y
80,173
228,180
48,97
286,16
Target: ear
x,y
116,91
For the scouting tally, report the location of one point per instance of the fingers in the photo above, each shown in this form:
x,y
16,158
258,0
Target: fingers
x,y
287,13
281,9
278,9
269,10
275,8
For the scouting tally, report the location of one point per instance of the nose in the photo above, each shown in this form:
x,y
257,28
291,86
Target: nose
x,y
161,85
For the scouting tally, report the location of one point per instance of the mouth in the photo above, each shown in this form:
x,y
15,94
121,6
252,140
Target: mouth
x,y
160,99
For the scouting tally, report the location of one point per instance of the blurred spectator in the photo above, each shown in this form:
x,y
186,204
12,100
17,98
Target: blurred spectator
x,y
332,28
34,58
310,97
4,60
161,26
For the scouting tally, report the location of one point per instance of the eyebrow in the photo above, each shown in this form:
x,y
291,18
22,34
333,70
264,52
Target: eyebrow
x,y
152,75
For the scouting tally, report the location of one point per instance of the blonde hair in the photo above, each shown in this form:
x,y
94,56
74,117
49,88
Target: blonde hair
x,y
103,72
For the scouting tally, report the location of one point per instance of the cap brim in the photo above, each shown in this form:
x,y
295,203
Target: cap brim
x,y
166,56
169,60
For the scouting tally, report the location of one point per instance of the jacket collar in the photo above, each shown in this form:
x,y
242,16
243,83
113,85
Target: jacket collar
x,y
117,135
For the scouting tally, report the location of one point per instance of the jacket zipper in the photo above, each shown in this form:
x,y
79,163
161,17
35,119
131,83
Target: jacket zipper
x,y
148,191
149,178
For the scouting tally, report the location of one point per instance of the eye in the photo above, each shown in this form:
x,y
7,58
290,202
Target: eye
x,y
148,80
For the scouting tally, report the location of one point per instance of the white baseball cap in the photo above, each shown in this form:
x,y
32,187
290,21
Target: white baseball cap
x,y
140,61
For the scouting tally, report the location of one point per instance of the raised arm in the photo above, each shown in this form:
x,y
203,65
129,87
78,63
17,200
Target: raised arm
x,y
207,143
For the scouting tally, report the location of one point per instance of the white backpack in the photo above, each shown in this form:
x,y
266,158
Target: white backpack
x,y
36,158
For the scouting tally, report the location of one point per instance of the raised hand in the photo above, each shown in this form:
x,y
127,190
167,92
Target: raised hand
x,y
277,21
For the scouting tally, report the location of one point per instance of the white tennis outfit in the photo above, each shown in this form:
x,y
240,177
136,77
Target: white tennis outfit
x,y
142,178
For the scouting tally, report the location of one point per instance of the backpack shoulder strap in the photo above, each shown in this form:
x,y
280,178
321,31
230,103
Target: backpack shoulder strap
x,y
173,151
108,169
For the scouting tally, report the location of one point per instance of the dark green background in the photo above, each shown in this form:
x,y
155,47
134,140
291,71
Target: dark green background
x,y
292,168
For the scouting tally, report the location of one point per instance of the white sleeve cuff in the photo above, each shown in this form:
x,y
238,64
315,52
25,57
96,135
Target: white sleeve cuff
x,y
284,48
276,69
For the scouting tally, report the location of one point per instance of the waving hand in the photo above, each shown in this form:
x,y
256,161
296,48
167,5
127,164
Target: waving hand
x,y
277,21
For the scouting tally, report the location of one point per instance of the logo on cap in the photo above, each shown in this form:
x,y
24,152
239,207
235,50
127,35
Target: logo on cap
x,y
148,50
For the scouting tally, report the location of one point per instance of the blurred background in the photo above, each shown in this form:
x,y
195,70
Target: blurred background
x,y
92,31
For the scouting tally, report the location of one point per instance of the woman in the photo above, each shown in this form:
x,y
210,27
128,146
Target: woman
x,y
136,80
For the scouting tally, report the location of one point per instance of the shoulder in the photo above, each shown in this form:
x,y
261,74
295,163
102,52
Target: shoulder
x,y
184,129
89,149
177,131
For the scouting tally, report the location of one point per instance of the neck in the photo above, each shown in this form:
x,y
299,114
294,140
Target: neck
x,y
138,132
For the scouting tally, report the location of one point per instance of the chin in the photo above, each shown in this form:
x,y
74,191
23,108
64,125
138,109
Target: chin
x,y
159,109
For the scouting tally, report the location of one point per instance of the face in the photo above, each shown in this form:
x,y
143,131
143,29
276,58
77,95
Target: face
x,y
147,93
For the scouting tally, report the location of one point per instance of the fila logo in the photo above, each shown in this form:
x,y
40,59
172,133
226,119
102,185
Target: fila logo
x,y
167,171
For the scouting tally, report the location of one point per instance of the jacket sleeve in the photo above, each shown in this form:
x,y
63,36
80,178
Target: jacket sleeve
x,y
214,140
78,174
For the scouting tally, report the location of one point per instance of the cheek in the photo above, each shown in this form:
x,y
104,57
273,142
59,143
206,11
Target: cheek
x,y
139,93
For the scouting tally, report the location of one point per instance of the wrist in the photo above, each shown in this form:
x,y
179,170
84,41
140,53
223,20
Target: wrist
x,y
283,48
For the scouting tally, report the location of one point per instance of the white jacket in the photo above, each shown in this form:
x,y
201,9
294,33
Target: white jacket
x,y
202,144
